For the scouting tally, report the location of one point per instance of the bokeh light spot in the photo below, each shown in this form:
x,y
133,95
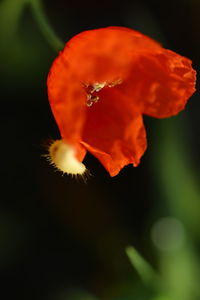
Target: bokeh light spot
x,y
168,234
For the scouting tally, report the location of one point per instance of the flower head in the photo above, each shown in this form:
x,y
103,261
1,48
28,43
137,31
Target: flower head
x,y
102,83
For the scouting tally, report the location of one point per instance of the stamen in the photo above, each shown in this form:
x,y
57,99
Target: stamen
x,y
91,99
114,83
92,89
98,86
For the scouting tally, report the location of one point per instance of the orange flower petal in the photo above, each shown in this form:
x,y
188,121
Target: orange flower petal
x,y
114,131
67,99
164,82
102,83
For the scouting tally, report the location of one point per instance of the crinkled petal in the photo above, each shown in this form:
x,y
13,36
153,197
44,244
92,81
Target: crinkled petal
x,y
160,84
114,132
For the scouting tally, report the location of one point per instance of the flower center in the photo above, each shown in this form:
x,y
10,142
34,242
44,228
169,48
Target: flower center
x,y
93,89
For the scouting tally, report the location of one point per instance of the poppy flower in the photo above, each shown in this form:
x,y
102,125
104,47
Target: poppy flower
x,y
99,88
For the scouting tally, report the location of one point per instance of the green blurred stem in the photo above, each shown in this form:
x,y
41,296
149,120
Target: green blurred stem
x,y
144,269
45,28
10,13
175,173
180,273
179,186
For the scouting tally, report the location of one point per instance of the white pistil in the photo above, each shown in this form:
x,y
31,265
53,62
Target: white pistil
x,y
62,156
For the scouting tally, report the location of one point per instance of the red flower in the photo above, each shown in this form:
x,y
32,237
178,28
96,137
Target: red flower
x,y
99,87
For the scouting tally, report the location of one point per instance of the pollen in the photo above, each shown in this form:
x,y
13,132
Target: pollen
x,y
62,156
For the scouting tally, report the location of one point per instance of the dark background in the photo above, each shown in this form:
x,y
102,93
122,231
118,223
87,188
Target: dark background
x,y
58,235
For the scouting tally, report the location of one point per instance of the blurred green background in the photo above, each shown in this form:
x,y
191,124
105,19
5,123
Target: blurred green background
x,y
66,240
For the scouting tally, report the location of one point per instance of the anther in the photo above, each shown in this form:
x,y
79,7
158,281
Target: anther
x,y
98,86
92,89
